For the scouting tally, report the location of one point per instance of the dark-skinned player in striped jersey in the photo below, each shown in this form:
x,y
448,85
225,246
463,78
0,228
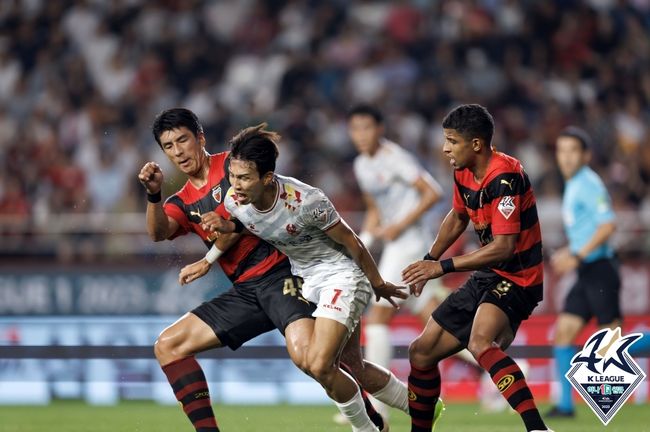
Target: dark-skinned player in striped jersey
x,y
492,191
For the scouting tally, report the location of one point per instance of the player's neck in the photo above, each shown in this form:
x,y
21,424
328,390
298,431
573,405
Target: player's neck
x,y
480,168
201,176
268,197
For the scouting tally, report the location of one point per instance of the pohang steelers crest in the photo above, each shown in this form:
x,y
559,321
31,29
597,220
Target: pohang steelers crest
x,y
604,373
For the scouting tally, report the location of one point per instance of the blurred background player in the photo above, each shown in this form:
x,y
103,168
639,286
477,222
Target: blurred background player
x,y
589,223
254,305
397,191
493,191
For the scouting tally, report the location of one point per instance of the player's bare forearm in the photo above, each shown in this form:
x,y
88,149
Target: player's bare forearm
x,y
602,234
451,228
159,226
499,250
345,236
226,240
430,193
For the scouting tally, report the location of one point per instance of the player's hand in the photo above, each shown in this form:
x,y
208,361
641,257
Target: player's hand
x,y
213,222
416,288
420,272
193,271
563,261
151,177
388,290
390,232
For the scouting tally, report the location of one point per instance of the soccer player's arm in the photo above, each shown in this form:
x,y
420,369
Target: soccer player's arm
x,y
163,221
453,225
320,212
599,204
371,221
430,193
222,243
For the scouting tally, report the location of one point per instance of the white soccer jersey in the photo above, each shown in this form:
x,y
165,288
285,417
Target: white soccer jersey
x,y
388,177
296,225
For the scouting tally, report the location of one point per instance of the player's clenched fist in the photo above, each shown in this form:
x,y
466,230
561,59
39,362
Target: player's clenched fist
x,y
151,177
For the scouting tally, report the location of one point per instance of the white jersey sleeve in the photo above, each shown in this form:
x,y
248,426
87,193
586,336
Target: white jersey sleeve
x,y
318,211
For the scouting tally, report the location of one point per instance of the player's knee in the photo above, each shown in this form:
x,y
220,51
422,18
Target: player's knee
x,y
477,346
322,370
167,349
419,354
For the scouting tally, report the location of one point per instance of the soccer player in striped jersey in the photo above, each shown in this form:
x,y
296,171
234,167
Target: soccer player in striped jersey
x,y
492,191
338,271
257,302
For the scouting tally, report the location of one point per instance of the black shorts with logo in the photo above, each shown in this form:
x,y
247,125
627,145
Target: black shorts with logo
x,y
456,313
596,292
251,308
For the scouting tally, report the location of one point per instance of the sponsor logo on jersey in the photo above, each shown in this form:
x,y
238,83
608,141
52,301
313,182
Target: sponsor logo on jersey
x,y
292,230
604,373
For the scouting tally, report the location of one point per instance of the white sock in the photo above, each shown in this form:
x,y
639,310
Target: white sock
x,y
394,393
355,411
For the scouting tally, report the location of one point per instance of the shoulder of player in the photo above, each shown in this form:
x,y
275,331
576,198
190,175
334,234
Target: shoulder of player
x,y
506,177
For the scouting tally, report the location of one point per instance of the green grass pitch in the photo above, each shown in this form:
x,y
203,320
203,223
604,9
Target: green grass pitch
x,y
149,417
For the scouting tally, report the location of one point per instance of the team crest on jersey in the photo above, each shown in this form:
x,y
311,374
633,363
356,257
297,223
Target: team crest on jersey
x,y
291,197
604,373
507,206
251,227
216,194
292,229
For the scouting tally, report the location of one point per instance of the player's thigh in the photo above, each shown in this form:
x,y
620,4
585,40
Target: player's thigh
x,y
298,336
326,343
432,345
280,296
188,335
235,316
490,324
516,304
603,291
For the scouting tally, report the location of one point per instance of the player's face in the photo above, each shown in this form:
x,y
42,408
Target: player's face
x,y
459,150
365,133
184,149
570,156
246,181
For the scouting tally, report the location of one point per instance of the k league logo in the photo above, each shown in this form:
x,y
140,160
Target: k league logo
x,y
604,373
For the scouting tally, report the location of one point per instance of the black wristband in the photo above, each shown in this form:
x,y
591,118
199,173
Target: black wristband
x,y
447,265
239,227
154,197
428,257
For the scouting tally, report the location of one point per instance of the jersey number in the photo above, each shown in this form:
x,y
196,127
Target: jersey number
x,y
292,287
337,294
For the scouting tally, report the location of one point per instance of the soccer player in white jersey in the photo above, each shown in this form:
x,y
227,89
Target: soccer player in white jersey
x,y
397,191
339,273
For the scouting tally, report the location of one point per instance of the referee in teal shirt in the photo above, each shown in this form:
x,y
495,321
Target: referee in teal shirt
x,y
589,222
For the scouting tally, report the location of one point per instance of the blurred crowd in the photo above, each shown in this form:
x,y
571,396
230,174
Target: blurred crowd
x,y
81,81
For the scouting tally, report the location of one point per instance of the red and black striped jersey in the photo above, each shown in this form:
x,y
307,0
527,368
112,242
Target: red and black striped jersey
x,y
248,258
504,203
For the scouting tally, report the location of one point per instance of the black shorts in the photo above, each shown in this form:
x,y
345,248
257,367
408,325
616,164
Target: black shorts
x,y
456,313
596,292
254,307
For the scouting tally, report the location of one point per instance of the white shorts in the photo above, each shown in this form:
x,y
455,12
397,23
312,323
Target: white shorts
x,y
341,296
396,256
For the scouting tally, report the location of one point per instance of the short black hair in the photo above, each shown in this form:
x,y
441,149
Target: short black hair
x,y
256,144
578,133
471,121
369,110
175,118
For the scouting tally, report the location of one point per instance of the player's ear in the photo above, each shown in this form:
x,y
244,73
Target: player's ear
x,y
267,178
201,138
476,144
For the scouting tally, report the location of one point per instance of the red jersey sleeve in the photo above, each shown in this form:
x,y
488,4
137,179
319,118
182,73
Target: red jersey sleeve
x,y
506,212
174,212
458,203
221,211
